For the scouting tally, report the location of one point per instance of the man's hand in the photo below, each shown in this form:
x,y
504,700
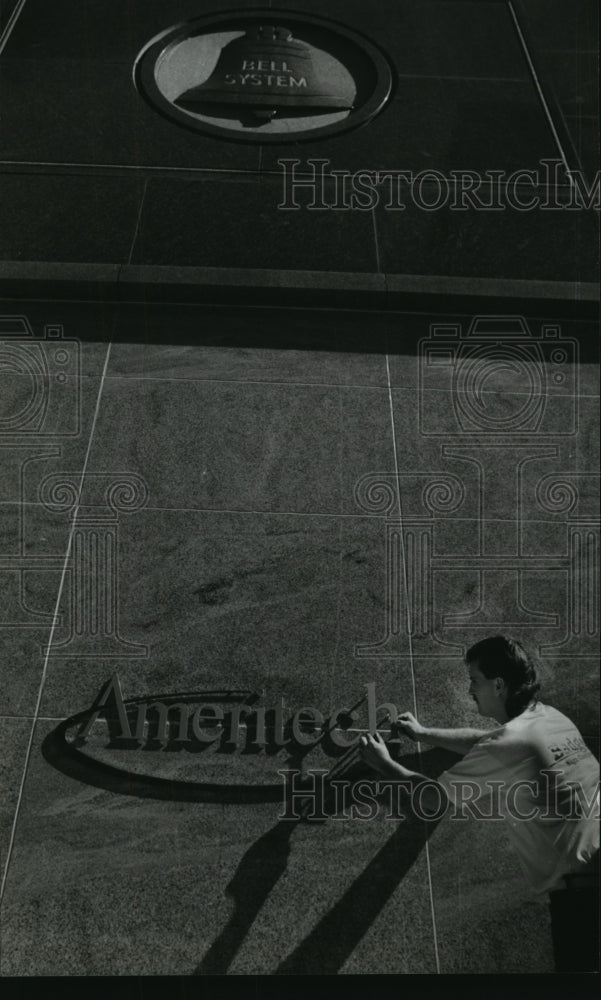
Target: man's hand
x,y
408,725
375,753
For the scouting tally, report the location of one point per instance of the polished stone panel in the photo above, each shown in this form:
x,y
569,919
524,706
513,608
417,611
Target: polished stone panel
x,y
87,911
71,30
408,913
259,602
181,224
42,217
440,124
22,649
572,686
27,459
186,342
36,458
561,24
246,446
442,694
41,465
584,132
33,546
510,541
574,76
563,44
127,131
14,739
459,39
513,243
541,597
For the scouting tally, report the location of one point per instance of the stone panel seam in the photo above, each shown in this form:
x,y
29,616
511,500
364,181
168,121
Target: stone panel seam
x,y
411,659
37,716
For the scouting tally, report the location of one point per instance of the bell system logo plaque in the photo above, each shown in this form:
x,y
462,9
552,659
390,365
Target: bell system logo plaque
x,y
264,76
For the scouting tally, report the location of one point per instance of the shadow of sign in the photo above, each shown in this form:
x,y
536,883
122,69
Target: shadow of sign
x,y
335,936
70,750
333,939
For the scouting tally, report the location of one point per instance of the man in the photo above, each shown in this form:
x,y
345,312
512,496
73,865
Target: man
x,y
545,782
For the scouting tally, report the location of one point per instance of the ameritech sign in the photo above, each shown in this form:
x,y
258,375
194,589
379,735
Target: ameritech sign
x,y
211,746
234,720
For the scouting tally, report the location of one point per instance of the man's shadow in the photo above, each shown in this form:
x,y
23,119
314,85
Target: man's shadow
x,y
255,877
334,938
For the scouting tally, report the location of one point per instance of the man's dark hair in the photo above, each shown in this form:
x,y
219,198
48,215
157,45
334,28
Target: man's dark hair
x,y
500,656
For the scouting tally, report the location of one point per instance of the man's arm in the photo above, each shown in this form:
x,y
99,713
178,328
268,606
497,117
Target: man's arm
x,y
375,753
457,740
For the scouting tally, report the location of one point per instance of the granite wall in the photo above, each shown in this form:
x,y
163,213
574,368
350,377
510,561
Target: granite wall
x,y
277,505
249,462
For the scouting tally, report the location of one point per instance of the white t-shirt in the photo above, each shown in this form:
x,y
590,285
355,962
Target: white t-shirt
x,y
536,772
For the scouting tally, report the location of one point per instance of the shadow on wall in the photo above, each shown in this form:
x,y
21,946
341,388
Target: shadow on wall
x,y
333,939
65,751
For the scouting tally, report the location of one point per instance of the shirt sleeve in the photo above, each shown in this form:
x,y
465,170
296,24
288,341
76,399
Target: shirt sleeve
x,y
469,779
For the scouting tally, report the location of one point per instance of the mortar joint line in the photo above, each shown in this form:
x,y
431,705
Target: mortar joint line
x,y
36,716
410,645
539,90
11,24
138,221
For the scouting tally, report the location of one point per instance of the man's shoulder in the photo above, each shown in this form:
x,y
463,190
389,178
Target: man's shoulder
x,y
544,716
528,732
550,736
540,713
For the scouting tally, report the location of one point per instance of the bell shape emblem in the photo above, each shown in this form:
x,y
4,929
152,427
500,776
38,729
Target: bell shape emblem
x,y
267,70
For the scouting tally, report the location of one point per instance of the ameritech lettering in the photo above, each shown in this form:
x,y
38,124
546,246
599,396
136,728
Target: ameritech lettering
x,y
149,722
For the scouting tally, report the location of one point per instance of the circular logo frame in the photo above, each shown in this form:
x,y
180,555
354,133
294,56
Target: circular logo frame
x,y
356,44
